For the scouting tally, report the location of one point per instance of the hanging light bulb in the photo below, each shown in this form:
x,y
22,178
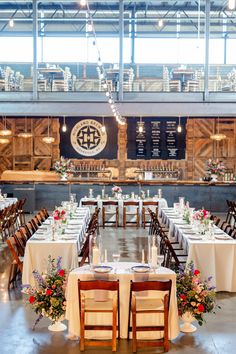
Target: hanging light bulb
x,y
25,134
231,4
5,131
11,22
140,126
83,2
64,127
107,94
103,126
179,127
48,139
218,136
89,27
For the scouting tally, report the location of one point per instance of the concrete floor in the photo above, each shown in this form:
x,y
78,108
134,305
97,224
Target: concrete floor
x,y
16,336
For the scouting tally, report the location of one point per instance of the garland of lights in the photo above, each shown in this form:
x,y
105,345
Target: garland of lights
x,y
101,70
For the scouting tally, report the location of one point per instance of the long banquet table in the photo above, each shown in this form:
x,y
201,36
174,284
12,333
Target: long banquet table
x,y
123,272
66,245
162,204
216,257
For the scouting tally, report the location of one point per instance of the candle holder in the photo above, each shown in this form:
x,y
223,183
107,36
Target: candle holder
x,y
153,251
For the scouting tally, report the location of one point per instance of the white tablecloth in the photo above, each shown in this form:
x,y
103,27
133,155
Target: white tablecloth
x,y
124,274
162,204
6,202
216,258
66,245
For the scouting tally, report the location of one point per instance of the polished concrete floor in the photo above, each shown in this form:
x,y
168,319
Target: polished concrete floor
x,y
16,319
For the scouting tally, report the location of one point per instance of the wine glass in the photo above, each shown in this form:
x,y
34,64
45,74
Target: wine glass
x,y
160,260
116,259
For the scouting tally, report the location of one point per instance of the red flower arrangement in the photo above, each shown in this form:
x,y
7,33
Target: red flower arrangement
x,y
48,297
59,214
194,295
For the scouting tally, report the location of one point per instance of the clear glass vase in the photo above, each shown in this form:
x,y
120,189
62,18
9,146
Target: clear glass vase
x,y
95,250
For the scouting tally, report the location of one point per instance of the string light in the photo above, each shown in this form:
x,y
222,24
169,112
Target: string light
x,y
231,4
140,125
83,2
160,23
5,131
100,68
25,134
11,23
64,127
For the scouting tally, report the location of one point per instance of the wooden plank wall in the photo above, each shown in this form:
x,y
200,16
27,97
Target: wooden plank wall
x,y
32,153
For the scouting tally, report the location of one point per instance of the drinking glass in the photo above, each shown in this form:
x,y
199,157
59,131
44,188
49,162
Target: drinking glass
x,y
5,195
160,260
116,259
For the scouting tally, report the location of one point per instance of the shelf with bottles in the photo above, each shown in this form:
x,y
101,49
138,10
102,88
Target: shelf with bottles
x,y
158,172
91,171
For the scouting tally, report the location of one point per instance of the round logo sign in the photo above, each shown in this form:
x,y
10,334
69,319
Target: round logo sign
x,y
87,137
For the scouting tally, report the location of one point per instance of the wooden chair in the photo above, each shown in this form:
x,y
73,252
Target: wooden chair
x,y
90,305
91,204
146,214
20,241
133,210
17,261
157,306
110,208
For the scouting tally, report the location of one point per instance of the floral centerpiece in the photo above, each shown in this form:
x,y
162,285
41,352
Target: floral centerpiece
x,y
194,295
215,168
202,219
47,298
187,214
64,167
59,214
116,189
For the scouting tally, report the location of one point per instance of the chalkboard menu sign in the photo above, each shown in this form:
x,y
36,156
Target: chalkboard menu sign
x,y
157,139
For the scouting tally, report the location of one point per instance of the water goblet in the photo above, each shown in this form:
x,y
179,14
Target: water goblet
x,y
160,260
5,195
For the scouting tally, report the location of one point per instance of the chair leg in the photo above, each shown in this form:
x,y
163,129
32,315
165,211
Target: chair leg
x,y
124,217
134,332
114,322
82,324
166,339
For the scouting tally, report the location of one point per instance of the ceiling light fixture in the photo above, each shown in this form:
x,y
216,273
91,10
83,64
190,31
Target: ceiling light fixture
x,y
25,134
5,131
160,23
218,136
140,125
103,126
48,139
11,22
4,141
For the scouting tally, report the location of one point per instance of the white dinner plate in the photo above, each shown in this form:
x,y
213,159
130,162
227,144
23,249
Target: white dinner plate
x,y
38,237
194,237
223,237
141,269
102,269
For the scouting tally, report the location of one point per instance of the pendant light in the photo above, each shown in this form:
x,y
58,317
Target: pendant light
x,y
4,140
217,136
64,127
179,127
5,131
140,125
103,126
25,134
48,139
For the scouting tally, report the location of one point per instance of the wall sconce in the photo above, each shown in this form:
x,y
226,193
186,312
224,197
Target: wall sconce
x,y
48,139
64,127
179,127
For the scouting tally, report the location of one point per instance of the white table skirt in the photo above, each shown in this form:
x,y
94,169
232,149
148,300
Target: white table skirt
x,y
124,275
6,202
162,204
37,251
215,258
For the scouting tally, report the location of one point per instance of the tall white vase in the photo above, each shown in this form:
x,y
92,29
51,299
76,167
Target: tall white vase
x,y
58,326
187,326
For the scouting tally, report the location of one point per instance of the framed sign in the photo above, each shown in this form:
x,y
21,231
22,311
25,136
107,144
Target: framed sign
x,y
158,140
86,138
